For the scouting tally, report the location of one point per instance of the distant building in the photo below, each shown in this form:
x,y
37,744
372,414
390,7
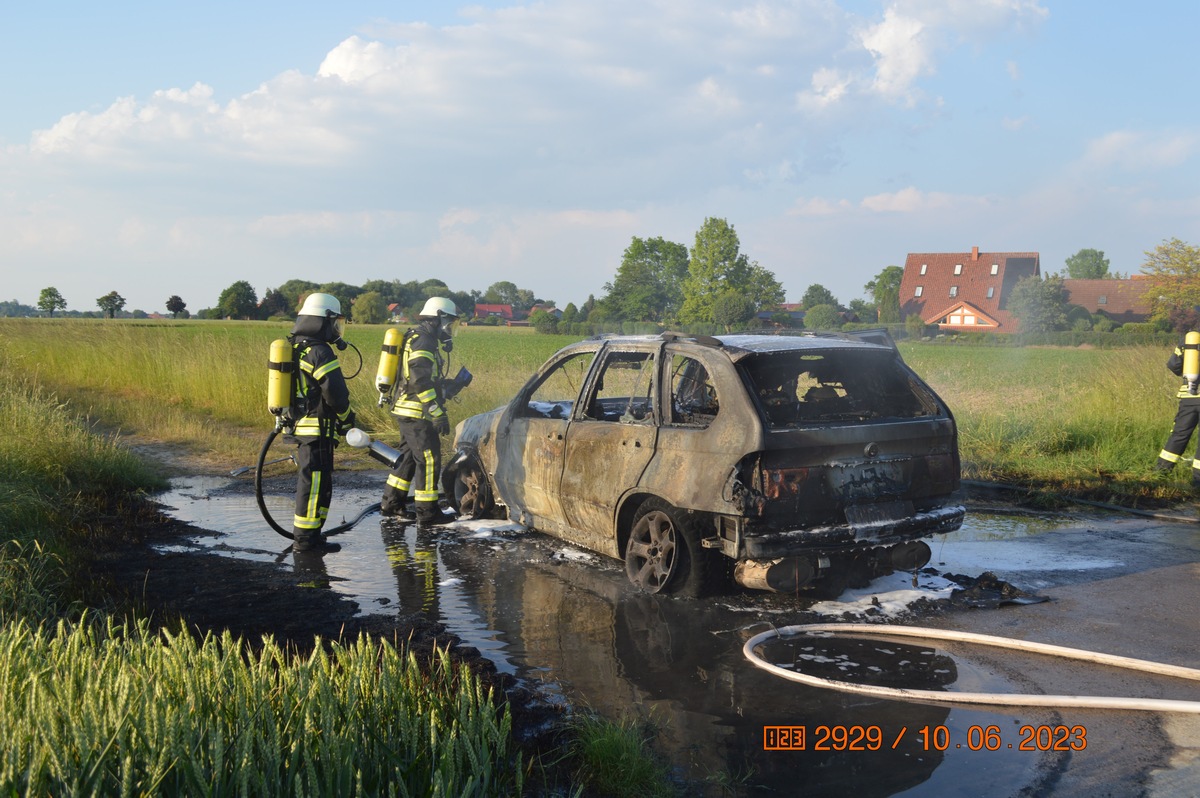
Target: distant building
x,y
483,312
1120,300
792,309
964,291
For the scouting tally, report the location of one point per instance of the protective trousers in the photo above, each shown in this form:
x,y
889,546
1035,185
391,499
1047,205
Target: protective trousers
x,y
314,487
419,468
1186,420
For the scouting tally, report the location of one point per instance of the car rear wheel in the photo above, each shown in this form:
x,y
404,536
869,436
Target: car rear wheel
x,y
664,555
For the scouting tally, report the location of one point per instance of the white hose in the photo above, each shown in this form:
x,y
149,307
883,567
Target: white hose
x,y
995,699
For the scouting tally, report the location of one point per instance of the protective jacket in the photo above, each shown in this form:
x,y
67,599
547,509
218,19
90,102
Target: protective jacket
x,y
420,383
321,390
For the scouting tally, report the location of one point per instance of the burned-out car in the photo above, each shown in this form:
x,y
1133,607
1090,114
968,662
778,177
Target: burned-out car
x,y
790,461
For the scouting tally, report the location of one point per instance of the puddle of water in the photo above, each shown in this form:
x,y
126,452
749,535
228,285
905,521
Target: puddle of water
x,y
568,622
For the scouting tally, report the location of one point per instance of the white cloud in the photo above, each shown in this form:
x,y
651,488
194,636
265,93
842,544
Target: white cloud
x,y
1135,151
913,200
457,148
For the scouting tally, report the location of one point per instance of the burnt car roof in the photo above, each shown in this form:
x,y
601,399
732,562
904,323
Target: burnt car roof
x,y
740,345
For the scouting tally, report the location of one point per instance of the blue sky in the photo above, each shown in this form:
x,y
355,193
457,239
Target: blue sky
x,y
157,149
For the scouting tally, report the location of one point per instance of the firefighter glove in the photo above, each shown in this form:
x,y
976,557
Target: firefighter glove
x,y
442,424
346,424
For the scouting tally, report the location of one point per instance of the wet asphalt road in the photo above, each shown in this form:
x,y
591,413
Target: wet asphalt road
x,y
1116,584
1143,602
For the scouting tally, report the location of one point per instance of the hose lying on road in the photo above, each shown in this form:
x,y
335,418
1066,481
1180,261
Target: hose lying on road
x,y
1089,502
994,699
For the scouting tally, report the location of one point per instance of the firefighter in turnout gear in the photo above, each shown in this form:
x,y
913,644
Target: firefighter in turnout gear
x,y
420,409
1184,362
322,413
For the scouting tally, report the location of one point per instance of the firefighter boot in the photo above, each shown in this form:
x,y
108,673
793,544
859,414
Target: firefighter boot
x,y
429,515
308,540
395,506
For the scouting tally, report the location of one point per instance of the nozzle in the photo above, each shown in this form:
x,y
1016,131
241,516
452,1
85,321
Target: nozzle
x,y
378,451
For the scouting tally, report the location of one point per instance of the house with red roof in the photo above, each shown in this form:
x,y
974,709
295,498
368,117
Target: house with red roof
x,y
487,311
964,291
1120,300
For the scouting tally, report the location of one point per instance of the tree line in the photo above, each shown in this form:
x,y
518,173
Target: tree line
x,y
712,285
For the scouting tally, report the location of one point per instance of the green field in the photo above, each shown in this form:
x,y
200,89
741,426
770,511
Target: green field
x,y
75,701
1085,422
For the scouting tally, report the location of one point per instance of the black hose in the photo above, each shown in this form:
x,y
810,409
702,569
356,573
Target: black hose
x,y
266,514
1102,505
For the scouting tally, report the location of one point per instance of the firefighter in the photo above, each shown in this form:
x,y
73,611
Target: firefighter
x,y
420,410
1184,362
323,413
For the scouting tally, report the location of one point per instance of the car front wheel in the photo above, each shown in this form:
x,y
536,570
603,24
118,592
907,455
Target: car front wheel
x,y
471,491
664,555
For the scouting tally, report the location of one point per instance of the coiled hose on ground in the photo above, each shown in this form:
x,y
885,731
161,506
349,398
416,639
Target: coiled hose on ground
x,y
994,699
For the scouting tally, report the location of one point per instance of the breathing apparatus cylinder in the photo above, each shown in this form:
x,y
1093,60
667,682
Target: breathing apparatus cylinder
x,y
1191,360
389,363
281,377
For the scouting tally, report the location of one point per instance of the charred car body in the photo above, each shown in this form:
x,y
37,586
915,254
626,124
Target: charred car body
x,y
794,461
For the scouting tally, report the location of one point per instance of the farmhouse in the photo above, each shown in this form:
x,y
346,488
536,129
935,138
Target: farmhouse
x,y
1120,300
483,311
964,291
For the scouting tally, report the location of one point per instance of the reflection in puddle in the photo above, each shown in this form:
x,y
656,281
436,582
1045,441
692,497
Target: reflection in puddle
x,y
568,623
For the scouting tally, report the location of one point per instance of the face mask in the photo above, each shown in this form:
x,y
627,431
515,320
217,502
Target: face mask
x,y
444,334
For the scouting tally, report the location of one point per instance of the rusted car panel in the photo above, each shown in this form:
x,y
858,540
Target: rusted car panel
x,y
790,456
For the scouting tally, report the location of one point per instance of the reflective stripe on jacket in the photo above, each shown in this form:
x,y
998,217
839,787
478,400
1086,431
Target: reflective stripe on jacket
x,y
420,377
321,389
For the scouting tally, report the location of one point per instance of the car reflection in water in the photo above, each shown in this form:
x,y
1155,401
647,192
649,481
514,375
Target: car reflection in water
x,y
626,654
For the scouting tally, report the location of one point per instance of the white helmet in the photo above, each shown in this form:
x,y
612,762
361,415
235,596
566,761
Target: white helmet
x,y
437,306
323,305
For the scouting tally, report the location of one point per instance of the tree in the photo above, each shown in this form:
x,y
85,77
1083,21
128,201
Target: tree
x,y
175,306
111,303
715,266
818,294
822,317
732,309
1173,280
543,321
649,282
1039,305
1087,264
238,301
51,300
869,314
885,291
274,303
295,291
369,308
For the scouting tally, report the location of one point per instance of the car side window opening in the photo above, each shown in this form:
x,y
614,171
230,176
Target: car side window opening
x,y
816,388
624,391
694,401
556,392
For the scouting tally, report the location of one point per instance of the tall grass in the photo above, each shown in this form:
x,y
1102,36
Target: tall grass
x,y
1087,421
113,711
202,384
52,471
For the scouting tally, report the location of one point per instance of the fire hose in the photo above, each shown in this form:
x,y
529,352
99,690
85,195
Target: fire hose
x,y
353,440
994,699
